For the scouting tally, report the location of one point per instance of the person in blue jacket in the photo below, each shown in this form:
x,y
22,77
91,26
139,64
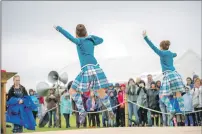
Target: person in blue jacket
x,y
35,101
66,108
91,75
17,91
172,84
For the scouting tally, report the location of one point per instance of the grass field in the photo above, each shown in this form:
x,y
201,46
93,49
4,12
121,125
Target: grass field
x,y
72,124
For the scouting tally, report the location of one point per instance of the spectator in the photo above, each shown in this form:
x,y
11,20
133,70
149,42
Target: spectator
x,y
148,84
153,102
113,102
142,100
117,89
66,108
197,100
52,100
105,117
111,88
194,77
138,79
36,102
189,82
188,107
131,90
122,106
92,106
18,91
201,82
149,81
97,114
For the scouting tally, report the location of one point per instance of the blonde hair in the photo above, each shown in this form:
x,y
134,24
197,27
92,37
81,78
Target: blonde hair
x,y
16,76
197,79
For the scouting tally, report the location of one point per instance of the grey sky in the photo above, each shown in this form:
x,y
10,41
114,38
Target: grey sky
x,y
31,47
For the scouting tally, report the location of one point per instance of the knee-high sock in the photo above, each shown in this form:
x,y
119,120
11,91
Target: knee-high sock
x,y
166,101
106,102
79,103
181,103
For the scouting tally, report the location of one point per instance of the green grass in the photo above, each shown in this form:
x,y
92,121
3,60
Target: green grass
x,y
72,124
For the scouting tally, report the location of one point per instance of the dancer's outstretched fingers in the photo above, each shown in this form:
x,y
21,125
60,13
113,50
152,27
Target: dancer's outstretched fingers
x,y
55,27
144,33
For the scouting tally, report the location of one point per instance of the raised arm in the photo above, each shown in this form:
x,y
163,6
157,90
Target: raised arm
x,y
174,55
67,35
156,50
97,40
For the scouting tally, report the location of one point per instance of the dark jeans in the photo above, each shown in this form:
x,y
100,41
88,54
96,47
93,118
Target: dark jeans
x,y
95,119
122,116
34,114
67,120
52,114
142,113
97,116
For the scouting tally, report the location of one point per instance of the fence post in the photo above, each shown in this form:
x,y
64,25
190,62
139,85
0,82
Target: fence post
x,y
126,109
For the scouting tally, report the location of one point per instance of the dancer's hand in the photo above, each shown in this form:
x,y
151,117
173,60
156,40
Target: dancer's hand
x,y
55,27
144,33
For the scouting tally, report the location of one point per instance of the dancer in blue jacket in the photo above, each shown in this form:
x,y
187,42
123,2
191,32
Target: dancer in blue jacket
x,y
172,84
91,75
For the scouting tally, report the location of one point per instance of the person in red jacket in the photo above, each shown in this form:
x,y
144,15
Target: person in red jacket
x,y
122,106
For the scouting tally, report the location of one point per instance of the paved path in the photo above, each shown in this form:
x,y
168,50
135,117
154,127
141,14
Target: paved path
x,y
131,130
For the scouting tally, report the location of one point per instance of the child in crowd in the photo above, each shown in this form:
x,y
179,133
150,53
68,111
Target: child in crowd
x,y
122,106
36,102
188,106
66,108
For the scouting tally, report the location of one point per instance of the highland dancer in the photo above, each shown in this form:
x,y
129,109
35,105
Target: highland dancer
x,y
172,86
91,76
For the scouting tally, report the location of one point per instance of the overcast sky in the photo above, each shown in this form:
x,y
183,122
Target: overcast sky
x,y
31,47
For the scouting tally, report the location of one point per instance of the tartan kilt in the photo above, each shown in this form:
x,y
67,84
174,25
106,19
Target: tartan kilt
x,y
172,82
91,77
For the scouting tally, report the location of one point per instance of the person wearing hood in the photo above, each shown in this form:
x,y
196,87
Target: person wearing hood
x,y
66,108
111,88
113,102
131,90
142,100
188,106
153,102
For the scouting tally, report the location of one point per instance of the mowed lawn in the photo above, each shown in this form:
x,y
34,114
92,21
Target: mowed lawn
x,y
72,124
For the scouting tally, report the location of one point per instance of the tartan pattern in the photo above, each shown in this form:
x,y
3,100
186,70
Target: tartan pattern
x,y
79,103
166,101
91,77
17,128
106,102
181,103
172,82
